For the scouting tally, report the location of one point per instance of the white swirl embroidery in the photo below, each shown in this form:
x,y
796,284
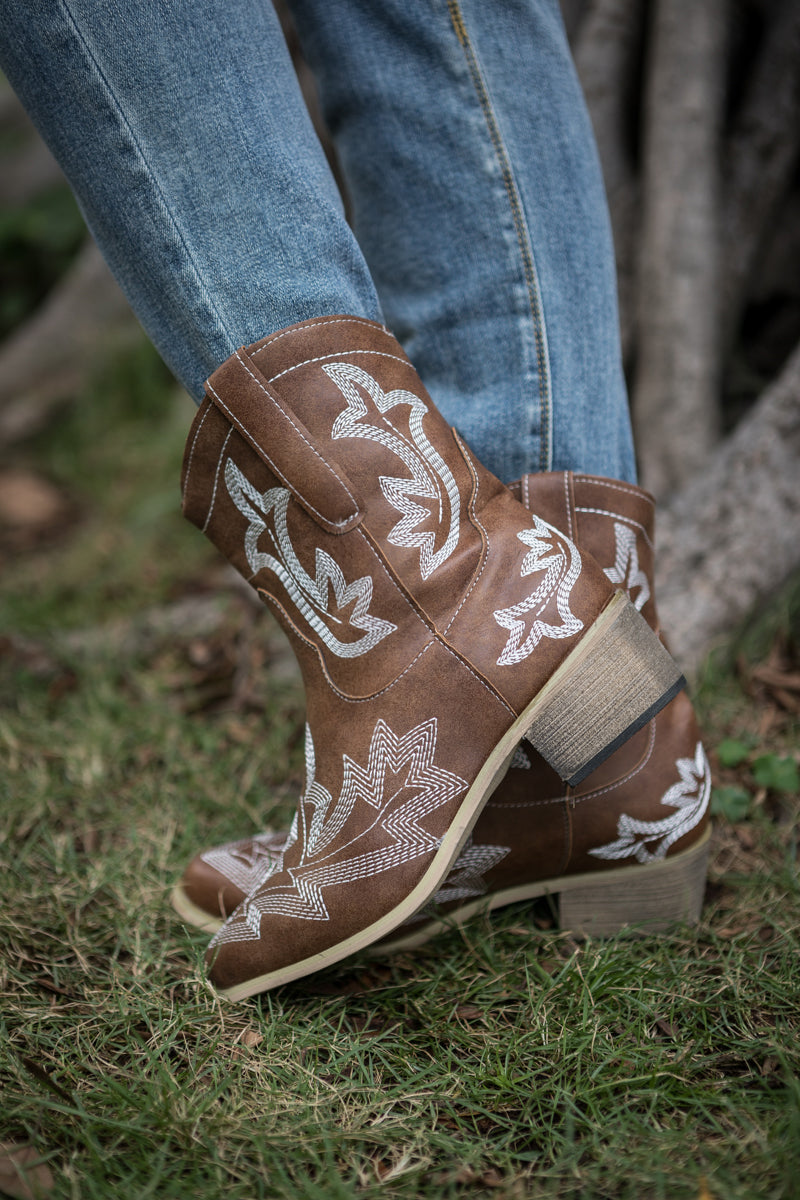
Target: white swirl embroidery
x,y
689,797
466,878
431,478
626,570
311,596
552,552
248,863
398,806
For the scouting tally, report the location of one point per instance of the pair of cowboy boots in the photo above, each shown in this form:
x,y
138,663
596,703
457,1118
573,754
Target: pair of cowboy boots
x,y
438,622
629,845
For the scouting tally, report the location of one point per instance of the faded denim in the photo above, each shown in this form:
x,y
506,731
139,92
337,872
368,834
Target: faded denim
x,y
479,232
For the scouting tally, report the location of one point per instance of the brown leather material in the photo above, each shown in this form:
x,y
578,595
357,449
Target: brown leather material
x,y
317,482
216,881
589,509
322,373
649,800
427,609
644,804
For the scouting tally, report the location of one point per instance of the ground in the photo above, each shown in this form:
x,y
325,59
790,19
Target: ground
x,y
147,709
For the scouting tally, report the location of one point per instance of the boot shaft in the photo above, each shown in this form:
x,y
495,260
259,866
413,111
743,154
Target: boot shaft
x,y
612,520
321,469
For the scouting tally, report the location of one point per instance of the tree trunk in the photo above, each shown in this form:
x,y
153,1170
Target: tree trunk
x,y
607,49
760,159
46,360
733,535
675,406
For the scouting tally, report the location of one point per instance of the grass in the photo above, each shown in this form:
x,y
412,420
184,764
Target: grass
x,y
502,1061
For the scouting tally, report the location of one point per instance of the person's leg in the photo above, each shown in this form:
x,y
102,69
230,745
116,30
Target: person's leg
x,y
183,132
478,202
414,588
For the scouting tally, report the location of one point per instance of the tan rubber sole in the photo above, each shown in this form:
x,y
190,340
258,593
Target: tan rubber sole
x,y
648,898
654,896
191,913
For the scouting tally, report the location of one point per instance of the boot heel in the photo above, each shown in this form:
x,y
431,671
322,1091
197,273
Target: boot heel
x,y
649,898
615,680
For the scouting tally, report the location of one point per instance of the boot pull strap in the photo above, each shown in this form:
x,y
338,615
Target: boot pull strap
x,y
277,435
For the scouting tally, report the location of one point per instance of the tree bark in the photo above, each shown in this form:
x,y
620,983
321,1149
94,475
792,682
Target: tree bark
x,y
760,158
46,360
607,47
675,408
26,172
732,537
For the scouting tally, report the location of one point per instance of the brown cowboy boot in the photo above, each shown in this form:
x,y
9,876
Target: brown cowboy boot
x,y
436,623
628,845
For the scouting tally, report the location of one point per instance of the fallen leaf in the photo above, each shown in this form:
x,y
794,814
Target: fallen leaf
x,y
745,837
23,1175
27,500
667,1027
463,1175
49,985
469,1012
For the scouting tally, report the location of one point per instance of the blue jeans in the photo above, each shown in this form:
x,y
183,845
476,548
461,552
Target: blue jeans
x,y
479,232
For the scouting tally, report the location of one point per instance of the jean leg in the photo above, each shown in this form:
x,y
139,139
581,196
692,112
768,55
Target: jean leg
x,y
478,201
183,133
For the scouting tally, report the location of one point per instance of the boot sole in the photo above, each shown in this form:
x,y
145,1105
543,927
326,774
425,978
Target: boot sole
x,y
649,898
644,899
191,913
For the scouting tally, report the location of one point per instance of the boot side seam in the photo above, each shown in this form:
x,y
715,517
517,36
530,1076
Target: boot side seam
x,y
217,471
435,636
568,506
629,489
200,424
344,521
279,408
275,603
537,802
476,522
438,634
349,699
